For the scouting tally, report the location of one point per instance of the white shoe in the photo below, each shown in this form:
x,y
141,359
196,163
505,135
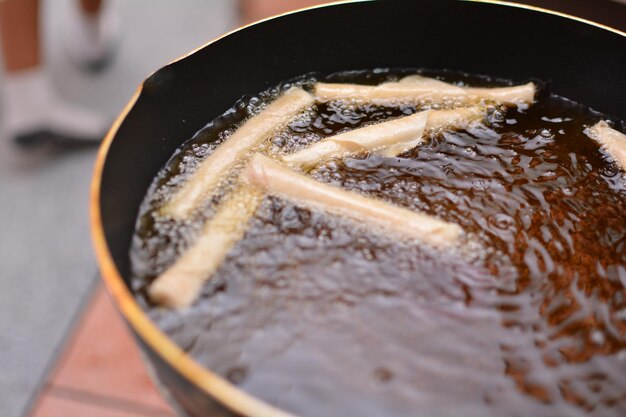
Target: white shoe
x,y
34,114
91,41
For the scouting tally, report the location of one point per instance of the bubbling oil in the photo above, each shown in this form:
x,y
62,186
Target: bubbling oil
x,y
319,315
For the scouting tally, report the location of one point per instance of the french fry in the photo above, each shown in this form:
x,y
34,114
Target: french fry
x,y
217,166
389,138
404,129
416,88
179,285
610,139
438,120
276,179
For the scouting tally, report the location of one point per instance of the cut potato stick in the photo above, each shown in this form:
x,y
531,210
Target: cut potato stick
x,y
391,138
417,88
278,180
610,139
180,284
438,120
217,166
404,129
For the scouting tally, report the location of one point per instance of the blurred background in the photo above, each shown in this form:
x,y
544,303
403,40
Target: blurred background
x,y
62,346
48,268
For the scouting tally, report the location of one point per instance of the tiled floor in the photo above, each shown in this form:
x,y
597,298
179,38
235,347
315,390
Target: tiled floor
x,y
99,372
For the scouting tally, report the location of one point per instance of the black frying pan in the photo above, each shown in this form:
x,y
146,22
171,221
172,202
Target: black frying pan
x,y
579,60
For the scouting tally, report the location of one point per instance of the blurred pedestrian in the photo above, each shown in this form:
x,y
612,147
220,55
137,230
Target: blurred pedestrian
x,y
252,10
32,110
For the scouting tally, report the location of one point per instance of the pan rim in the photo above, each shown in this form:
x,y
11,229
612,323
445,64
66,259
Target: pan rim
x,y
217,387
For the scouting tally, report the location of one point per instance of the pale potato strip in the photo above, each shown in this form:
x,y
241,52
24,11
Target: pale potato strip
x,y
180,284
610,139
390,138
217,166
437,120
403,129
416,88
276,179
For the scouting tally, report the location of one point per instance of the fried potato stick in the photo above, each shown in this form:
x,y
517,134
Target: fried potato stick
x,y
180,284
416,88
610,139
390,138
216,167
276,179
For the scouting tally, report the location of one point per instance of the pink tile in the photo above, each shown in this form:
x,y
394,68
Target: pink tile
x,y
51,406
102,358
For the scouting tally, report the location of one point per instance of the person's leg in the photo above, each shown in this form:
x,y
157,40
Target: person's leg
x,y
32,112
91,7
91,34
19,28
252,10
